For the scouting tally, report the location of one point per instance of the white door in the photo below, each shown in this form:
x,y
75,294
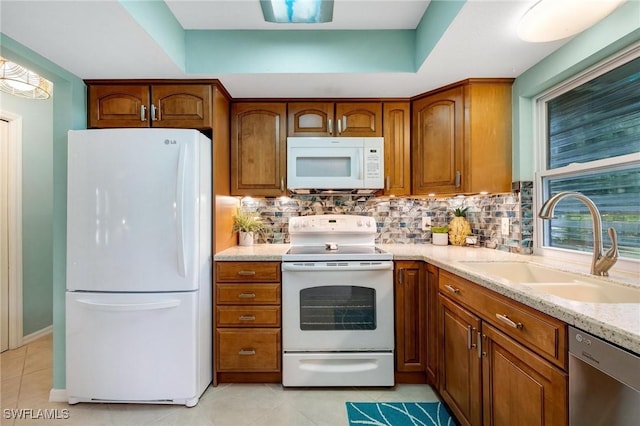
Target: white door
x,y
132,210
4,236
131,347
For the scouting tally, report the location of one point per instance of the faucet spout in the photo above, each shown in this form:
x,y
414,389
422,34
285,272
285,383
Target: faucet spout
x,y
600,264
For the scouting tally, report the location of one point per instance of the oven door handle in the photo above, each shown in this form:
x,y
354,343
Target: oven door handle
x,y
381,266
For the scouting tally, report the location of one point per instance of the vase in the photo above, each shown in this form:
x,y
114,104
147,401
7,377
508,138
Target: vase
x,y
440,239
245,238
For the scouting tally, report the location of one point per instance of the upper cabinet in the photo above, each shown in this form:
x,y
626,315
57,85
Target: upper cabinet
x,y
462,138
258,148
140,104
334,119
397,140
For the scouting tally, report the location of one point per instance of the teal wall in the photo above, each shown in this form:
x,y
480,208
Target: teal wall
x,y
68,111
37,208
614,33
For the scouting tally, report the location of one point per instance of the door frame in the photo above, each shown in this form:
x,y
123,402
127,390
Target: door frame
x,y
14,219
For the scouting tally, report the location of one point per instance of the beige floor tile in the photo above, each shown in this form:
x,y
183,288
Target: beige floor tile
x,y
9,393
29,379
37,358
12,363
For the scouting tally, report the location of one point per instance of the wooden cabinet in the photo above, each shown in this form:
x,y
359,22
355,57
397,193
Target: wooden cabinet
x,y
258,148
500,361
397,140
432,342
410,321
462,138
334,118
247,322
176,105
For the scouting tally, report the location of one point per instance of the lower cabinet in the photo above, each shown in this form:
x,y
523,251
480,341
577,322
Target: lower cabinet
x,y
410,321
247,345
490,375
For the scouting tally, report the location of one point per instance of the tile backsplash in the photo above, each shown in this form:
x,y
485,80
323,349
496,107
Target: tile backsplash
x,y
399,219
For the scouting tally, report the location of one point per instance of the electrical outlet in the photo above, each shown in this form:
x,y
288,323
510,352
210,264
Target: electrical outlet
x,y
426,223
504,226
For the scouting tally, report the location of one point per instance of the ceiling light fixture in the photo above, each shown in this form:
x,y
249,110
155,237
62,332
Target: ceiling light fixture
x,y
549,20
19,81
297,11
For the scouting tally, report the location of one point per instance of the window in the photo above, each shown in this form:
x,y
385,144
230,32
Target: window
x,y
590,143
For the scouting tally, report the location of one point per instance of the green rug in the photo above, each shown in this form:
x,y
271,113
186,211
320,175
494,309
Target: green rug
x,y
398,414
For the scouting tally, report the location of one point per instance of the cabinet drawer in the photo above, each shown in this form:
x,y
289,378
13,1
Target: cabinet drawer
x,y
249,349
247,271
248,294
248,316
536,330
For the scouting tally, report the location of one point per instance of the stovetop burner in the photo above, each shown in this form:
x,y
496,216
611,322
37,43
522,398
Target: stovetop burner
x,y
333,237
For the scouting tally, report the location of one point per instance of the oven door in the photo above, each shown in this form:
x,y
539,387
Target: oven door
x,y
337,306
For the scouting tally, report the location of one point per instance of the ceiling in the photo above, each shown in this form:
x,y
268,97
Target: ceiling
x,y
102,39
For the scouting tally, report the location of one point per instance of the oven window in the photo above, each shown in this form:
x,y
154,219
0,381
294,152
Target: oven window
x,y
338,307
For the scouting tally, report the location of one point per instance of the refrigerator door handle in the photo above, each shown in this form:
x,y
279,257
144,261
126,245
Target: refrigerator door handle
x,y
165,304
182,261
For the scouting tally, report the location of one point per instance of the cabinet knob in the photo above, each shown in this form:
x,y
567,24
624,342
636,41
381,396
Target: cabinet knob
x,y
458,179
388,183
339,126
247,273
247,318
143,113
153,113
247,295
329,127
247,352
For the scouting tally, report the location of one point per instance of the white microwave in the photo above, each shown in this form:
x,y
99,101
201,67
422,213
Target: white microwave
x,y
335,163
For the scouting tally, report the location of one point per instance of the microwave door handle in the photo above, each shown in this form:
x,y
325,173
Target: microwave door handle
x,y
360,166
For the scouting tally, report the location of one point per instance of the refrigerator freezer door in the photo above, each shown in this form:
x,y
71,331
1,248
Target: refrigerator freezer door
x,y
132,210
132,348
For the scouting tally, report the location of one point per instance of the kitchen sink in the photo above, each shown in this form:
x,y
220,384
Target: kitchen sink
x,y
522,272
562,284
591,293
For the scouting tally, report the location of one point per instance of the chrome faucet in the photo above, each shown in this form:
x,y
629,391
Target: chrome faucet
x,y
600,262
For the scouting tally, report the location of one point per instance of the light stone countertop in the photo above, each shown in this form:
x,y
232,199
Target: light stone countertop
x,y
618,323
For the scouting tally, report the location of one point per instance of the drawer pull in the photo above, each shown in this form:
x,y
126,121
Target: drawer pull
x,y
247,273
247,295
247,318
247,352
452,289
505,319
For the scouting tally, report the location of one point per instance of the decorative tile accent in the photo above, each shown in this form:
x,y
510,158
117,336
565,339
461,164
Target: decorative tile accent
x,y
399,219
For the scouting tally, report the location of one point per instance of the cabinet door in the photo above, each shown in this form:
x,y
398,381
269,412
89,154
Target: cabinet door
x,y
310,118
118,106
519,386
359,119
460,368
258,149
181,106
410,301
432,342
397,148
438,125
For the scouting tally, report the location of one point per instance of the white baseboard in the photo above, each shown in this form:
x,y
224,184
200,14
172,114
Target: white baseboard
x,y
36,335
58,395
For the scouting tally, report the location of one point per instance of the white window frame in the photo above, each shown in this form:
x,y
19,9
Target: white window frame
x,y
624,265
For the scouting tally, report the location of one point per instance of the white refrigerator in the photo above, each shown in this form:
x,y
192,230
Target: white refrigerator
x,y
138,299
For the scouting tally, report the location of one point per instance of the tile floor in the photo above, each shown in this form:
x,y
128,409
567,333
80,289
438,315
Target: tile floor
x,y
27,375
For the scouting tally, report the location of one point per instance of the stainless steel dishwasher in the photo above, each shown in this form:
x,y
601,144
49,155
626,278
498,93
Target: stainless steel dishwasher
x,y
604,382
